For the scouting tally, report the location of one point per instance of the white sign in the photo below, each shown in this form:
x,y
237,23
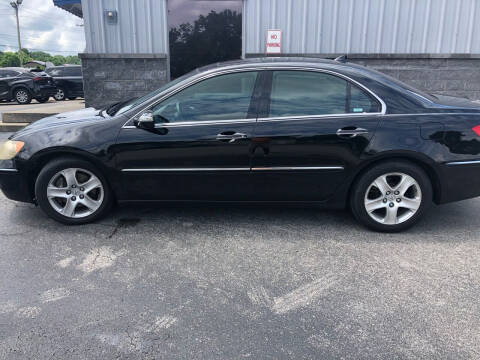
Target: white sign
x,y
274,41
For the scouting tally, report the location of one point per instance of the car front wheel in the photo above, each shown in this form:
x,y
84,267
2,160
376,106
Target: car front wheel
x,y
22,96
60,94
391,196
73,191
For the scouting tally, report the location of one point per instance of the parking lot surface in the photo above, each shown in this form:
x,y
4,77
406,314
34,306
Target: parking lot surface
x,y
236,282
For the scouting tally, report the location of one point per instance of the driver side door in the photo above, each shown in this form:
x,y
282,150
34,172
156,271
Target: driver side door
x,y
199,147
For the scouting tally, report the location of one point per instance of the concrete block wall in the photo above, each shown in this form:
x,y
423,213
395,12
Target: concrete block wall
x,y
108,78
446,76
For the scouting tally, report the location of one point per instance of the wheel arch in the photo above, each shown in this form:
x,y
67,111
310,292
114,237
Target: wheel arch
x,y
18,86
41,159
424,162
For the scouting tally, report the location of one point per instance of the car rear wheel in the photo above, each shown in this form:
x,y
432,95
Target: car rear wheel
x,y
22,96
391,196
60,94
73,191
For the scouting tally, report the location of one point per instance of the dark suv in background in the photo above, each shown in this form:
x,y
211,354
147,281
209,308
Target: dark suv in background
x,y
22,85
68,80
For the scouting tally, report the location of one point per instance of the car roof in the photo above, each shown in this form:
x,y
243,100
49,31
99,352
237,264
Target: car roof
x,y
295,62
16,69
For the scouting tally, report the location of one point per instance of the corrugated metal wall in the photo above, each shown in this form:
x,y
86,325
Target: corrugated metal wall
x,y
364,26
141,27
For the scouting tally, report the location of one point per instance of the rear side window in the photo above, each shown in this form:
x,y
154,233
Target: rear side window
x,y
304,93
72,71
55,72
8,73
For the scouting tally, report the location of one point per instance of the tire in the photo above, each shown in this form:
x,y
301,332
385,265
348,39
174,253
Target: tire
x,y
88,205
42,99
393,205
72,97
22,96
60,95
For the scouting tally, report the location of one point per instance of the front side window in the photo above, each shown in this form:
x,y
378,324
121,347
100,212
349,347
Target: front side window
x,y
224,97
304,93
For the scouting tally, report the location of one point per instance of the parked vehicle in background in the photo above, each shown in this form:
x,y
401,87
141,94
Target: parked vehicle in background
x,y
21,85
274,130
68,80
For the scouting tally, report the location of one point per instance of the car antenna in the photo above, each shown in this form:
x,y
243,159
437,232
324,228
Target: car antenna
x,y
342,59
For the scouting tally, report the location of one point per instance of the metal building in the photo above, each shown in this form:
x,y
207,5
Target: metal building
x,y
134,46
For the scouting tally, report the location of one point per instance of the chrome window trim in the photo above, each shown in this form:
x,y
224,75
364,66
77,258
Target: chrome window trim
x,y
274,168
468,162
8,170
258,68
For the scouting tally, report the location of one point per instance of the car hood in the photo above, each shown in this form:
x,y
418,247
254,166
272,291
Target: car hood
x,y
70,118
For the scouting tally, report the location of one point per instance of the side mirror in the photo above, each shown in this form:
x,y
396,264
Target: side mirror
x,y
145,121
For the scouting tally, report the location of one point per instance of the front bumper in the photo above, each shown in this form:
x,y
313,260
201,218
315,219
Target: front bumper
x,y
14,185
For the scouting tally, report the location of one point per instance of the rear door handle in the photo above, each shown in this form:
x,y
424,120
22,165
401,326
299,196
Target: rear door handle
x,y
230,136
351,132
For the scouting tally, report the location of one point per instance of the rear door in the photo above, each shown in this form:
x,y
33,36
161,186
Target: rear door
x,y
313,131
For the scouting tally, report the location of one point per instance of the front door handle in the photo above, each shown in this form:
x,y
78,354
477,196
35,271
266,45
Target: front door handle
x,y
351,132
230,136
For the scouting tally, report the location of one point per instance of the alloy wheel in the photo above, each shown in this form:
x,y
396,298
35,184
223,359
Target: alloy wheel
x,y
393,198
75,193
21,96
59,95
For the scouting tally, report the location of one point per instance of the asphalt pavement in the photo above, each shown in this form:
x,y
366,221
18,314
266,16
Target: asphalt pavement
x,y
238,282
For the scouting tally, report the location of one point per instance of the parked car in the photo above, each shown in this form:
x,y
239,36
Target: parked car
x,y
21,85
68,80
261,130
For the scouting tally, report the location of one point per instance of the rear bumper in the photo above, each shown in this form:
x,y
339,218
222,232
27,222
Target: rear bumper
x,y
14,185
44,91
461,181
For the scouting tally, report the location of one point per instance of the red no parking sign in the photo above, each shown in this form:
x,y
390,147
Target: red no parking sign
x,y
274,42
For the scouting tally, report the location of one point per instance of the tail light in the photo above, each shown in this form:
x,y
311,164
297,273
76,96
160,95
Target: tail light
x,y
476,130
38,78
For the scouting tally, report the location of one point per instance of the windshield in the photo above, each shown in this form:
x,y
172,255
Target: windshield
x,y
137,101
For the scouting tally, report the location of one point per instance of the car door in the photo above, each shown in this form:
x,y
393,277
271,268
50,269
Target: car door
x,y
313,131
199,148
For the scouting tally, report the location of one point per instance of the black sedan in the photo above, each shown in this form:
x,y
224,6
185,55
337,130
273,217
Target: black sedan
x,y
21,85
259,130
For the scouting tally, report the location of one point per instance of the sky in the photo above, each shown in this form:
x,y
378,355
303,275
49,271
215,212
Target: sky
x,y
43,27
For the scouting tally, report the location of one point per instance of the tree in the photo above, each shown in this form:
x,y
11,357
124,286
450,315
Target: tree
x,y
9,59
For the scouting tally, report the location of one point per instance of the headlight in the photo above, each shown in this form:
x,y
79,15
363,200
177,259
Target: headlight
x,y
9,149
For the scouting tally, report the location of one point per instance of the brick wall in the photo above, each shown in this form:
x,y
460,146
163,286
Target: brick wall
x,y
450,74
108,78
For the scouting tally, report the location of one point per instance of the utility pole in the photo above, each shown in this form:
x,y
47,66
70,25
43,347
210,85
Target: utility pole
x,y
16,4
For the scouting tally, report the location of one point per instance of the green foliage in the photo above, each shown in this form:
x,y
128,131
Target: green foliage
x,y
8,59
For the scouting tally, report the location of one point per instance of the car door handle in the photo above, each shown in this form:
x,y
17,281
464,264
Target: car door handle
x,y
230,136
351,132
